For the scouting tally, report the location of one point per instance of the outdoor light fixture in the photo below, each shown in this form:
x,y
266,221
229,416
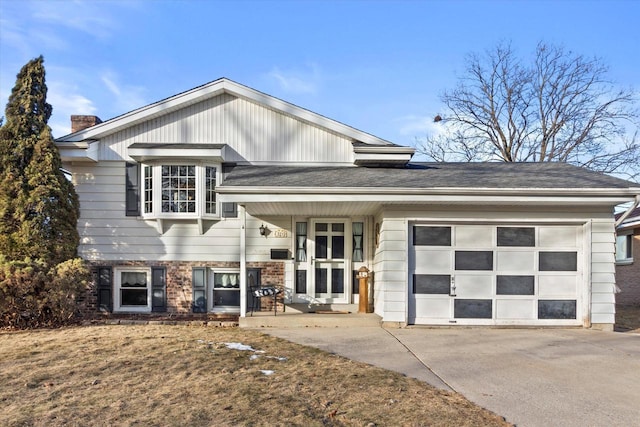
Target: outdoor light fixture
x,y
263,230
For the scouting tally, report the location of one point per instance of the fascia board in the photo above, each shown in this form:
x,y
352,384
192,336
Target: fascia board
x,y
432,198
145,113
383,149
410,191
400,159
208,91
78,151
143,154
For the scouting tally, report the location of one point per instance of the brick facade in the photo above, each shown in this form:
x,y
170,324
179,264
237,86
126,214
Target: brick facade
x,y
628,276
179,291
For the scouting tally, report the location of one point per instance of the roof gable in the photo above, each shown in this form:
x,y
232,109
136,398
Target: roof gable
x,y
213,89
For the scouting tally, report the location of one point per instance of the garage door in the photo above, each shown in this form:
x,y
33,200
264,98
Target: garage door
x,y
495,275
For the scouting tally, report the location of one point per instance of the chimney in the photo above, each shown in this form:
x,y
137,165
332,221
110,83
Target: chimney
x,y
79,123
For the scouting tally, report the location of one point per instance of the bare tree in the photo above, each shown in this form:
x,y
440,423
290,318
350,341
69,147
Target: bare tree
x,y
559,108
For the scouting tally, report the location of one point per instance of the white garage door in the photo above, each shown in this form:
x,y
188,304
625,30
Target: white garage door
x,y
495,275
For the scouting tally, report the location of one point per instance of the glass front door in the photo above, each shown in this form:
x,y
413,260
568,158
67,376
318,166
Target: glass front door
x,y
330,261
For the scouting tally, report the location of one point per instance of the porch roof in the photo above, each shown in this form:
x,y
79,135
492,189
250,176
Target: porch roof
x,y
496,175
360,190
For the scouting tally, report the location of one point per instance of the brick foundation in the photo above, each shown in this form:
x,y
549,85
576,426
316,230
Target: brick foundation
x,y
179,288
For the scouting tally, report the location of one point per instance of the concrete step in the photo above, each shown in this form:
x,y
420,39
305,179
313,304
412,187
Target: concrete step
x,y
323,319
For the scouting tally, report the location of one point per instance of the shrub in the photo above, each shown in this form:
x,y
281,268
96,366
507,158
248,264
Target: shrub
x,y
33,294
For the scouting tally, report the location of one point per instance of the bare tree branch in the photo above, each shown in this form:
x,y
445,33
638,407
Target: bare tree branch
x,y
561,107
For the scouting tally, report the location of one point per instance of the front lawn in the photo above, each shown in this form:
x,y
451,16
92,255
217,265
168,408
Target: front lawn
x,y
159,375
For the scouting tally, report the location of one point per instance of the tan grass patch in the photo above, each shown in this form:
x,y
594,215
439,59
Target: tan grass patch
x,y
160,375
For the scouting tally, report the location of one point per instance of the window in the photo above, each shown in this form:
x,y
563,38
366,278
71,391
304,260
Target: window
x,y
431,236
210,190
148,189
180,190
301,241
624,248
358,230
226,291
516,236
132,290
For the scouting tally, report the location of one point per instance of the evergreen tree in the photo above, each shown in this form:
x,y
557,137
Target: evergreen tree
x,y
39,207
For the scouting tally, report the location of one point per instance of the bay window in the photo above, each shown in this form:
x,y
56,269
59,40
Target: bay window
x,y
179,190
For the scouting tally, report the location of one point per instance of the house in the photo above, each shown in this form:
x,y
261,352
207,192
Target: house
x,y
628,245
188,203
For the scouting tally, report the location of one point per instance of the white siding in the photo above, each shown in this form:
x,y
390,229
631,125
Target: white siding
x,y
107,234
256,133
390,265
603,306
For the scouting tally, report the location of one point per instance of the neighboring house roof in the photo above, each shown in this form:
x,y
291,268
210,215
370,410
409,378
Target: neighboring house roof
x,y
210,90
497,175
631,221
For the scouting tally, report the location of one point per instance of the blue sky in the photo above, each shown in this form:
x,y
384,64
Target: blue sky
x,y
378,66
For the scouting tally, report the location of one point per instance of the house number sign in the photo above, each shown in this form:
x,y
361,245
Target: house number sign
x,y
280,233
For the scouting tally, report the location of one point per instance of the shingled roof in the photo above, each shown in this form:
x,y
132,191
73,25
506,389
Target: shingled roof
x,y
497,175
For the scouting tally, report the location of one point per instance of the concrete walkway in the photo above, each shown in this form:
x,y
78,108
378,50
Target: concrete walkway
x,y
532,377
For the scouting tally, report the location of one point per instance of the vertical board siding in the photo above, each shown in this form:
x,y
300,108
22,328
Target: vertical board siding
x,y
255,132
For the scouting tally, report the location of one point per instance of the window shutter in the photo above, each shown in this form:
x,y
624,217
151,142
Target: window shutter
x,y
105,302
158,289
199,285
229,210
132,190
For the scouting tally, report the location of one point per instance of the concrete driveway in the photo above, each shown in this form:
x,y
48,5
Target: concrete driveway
x,y
532,377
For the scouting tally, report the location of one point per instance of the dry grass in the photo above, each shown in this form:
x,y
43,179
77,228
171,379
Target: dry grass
x,y
628,318
179,375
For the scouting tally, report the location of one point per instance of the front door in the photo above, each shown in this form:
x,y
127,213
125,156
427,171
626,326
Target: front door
x,y
330,260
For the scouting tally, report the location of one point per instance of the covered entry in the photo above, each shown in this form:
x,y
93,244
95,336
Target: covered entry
x,y
490,274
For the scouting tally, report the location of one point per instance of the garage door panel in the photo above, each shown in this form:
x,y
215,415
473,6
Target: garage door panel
x,y
472,286
520,261
558,285
433,308
432,261
473,309
473,236
553,237
431,284
515,309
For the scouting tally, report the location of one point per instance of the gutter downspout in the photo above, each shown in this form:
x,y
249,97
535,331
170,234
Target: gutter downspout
x,y
624,216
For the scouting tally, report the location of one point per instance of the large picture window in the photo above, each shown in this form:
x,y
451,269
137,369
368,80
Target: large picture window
x,y
179,190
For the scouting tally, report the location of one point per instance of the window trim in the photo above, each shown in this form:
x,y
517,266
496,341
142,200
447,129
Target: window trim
x,y
211,280
201,190
628,236
117,286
